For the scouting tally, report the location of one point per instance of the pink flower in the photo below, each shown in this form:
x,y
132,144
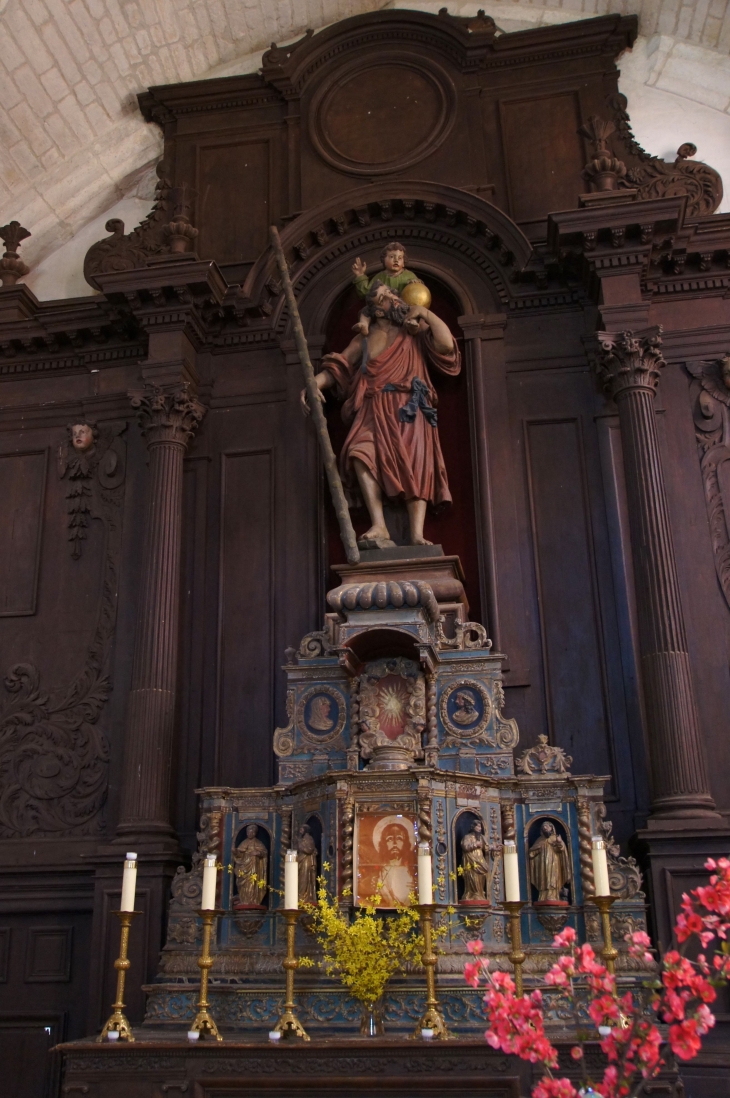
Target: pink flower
x,y
565,938
475,945
576,1052
554,1088
684,1039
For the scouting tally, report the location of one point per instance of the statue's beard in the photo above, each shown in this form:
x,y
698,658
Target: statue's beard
x,y
397,313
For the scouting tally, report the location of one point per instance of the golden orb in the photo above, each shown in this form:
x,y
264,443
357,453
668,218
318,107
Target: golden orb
x,y
416,293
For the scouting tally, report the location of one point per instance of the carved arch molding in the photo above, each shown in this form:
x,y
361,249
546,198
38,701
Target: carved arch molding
x,y
475,233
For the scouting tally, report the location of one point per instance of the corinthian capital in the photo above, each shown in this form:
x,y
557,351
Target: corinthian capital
x,y
630,360
167,414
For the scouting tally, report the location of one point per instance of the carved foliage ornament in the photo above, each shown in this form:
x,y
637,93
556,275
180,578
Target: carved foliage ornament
x,y
167,415
544,759
12,266
711,413
630,360
167,230
655,178
93,460
53,757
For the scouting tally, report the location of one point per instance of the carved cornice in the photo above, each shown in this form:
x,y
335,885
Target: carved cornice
x,y
630,360
470,44
167,415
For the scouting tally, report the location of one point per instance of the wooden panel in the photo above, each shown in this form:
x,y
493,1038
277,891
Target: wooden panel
x,y
5,933
568,596
246,683
48,955
233,185
22,489
543,153
28,1071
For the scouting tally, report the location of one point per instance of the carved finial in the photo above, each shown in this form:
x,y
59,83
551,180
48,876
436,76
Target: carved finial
x,y
544,759
685,151
603,170
180,232
11,267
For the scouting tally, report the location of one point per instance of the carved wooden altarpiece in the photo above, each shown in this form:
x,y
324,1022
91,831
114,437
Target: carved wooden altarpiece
x,y
587,283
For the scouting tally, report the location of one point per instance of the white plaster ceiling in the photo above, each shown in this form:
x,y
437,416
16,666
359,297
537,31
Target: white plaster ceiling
x,y
72,142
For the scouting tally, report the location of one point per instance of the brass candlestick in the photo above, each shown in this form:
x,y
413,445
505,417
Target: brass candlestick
x,y
517,955
288,1024
432,1018
609,951
117,1020
204,1023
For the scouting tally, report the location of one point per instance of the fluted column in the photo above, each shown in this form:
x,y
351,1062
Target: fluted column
x,y
629,365
169,417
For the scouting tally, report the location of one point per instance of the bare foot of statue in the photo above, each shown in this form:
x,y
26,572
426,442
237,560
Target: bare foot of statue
x,y
376,533
416,517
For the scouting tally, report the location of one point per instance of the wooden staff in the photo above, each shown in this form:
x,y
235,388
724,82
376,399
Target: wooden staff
x,y
347,532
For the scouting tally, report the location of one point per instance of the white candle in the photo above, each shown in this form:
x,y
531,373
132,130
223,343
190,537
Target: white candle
x,y
425,874
600,868
129,883
291,881
511,872
210,877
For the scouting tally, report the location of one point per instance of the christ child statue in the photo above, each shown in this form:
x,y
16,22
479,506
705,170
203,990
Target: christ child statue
x,y
394,275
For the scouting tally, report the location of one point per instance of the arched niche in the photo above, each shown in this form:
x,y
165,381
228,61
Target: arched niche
x,y
468,252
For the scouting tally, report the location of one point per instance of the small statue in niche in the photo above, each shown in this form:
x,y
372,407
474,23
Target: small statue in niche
x,y
475,857
307,858
250,860
394,276
549,866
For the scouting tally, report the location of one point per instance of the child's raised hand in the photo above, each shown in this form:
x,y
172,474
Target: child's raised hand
x,y
359,268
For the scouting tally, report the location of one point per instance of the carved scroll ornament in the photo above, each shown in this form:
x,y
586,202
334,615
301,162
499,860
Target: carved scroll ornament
x,y
655,178
544,759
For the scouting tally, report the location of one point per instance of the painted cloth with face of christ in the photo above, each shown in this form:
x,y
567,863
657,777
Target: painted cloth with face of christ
x,y
391,405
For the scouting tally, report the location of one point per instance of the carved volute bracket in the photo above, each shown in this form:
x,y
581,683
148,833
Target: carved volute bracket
x,y
167,415
630,360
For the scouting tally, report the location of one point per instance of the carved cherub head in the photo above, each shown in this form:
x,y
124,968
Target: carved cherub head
x,y
82,436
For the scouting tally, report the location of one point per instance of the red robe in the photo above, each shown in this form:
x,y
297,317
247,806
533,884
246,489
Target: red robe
x,y
405,458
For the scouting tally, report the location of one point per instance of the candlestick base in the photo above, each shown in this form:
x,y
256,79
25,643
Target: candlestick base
x,y
204,1023
117,1021
432,1018
288,1024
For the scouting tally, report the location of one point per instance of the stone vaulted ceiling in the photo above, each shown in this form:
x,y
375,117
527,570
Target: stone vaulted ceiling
x,y
72,141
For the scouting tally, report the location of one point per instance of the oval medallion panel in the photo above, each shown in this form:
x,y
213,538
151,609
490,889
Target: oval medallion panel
x,y
383,116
